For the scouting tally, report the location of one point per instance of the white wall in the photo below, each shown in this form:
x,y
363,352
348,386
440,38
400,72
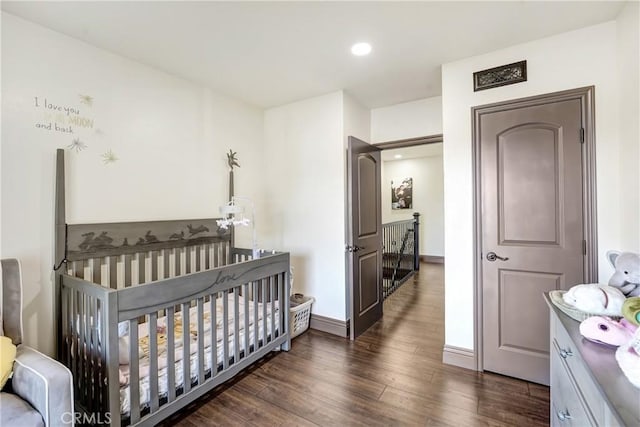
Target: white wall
x,y
356,120
628,78
305,187
407,120
170,136
428,198
580,58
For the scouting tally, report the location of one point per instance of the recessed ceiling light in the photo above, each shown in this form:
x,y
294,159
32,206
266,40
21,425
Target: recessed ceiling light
x,y
361,49
398,156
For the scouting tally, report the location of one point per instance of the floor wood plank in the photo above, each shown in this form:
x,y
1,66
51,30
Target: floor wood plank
x,y
392,375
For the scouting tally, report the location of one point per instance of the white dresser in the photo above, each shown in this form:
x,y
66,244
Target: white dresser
x,y
587,386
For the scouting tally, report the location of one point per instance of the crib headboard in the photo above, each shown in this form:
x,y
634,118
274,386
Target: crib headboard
x,y
87,241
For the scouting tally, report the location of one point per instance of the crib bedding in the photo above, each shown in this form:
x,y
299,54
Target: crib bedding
x,y
144,383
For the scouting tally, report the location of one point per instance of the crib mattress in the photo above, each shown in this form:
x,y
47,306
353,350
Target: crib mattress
x,y
144,383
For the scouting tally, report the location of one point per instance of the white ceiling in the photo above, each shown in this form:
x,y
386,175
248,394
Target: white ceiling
x,y
273,53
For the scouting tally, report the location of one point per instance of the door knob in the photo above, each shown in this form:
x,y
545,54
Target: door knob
x,y
354,248
492,256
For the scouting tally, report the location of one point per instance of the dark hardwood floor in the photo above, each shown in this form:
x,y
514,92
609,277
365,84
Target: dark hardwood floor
x,y
391,375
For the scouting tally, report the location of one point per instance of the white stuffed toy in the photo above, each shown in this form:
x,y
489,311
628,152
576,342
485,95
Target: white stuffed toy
x,y
627,274
628,358
595,299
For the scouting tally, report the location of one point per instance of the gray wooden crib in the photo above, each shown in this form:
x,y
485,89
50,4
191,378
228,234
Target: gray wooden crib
x,y
199,310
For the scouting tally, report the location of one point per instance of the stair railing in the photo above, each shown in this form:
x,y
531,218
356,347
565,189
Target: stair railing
x,y
401,255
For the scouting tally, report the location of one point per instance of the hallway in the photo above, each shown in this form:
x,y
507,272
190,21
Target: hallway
x,y
391,375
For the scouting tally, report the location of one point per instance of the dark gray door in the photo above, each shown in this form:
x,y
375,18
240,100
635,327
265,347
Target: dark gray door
x,y
532,228
364,235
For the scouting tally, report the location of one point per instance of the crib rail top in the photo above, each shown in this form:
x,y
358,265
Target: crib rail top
x,y
85,241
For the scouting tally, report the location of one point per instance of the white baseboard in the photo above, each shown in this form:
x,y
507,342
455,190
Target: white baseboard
x,y
329,325
457,356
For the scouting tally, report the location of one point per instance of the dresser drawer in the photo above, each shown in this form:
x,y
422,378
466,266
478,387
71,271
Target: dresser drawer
x,y
567,408
566,351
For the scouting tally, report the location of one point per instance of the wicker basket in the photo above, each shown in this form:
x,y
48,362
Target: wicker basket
x,y
574,313
299,314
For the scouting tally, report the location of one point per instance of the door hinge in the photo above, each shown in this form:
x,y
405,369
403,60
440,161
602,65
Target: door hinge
x,y
582,135
584,247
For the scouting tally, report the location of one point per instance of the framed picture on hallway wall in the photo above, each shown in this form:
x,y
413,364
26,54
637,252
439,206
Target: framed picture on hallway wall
x,y
402,193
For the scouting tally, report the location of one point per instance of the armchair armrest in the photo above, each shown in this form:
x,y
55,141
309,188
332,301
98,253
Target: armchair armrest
x,y
46,384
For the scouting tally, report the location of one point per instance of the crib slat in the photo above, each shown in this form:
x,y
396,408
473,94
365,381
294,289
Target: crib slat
x,y
214,334
200,340
64,314
256,315
186,349
165,266
171,349
273,306
177,258
207,255
78,269
264,312
141,268
75,337
95,394
74,345
154,266
127,270
113,272
247,327
104,384
236,326
218,255
81,347
89,350
281,297
153,360
95,265
87,347
134,371
187,262
197,250
225,329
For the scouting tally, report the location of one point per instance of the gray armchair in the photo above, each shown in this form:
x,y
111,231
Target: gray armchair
x,y
41,392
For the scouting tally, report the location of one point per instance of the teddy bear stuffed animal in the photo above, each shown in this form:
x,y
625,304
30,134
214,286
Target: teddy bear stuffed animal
x,y
627,272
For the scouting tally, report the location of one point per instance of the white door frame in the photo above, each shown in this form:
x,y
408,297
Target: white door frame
x,y
586,97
